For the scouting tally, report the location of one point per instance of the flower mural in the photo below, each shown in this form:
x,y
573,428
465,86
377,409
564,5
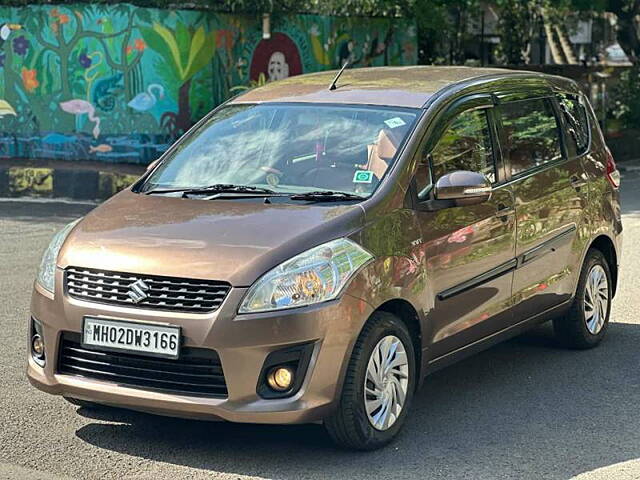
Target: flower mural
x,y
20,45
76,81
84,60
29,79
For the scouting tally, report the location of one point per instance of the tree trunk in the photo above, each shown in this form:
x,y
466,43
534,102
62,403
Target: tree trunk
x,y
628,37
627,29
184,108
64,76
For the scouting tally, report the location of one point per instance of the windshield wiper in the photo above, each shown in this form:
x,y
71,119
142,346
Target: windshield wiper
x,y
327,196
213,189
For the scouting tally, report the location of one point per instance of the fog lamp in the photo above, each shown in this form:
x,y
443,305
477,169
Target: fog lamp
x,y
280,378
37,345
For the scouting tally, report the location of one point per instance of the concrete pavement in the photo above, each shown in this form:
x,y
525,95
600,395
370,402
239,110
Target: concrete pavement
x,y
523,409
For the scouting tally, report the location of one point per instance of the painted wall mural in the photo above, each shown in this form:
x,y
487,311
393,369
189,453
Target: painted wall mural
x,y
77,80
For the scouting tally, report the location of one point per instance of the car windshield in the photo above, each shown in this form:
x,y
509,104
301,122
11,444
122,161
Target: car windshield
x,y
288,148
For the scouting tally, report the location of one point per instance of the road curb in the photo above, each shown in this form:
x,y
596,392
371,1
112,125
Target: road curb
x,y
76,184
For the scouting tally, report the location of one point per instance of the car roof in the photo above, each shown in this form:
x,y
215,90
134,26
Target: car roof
x,y
410,86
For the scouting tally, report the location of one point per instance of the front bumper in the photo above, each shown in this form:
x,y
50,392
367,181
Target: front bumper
x,y
242,342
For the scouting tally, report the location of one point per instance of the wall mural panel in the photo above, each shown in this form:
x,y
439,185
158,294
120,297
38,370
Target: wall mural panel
x,y
77,80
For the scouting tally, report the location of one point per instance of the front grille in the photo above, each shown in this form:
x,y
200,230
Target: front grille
x,y
164,293
198,371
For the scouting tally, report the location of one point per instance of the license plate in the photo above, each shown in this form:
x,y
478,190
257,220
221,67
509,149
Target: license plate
x,y
147,339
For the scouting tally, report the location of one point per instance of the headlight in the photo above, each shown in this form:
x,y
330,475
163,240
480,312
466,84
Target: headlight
x,y
314,276
47,272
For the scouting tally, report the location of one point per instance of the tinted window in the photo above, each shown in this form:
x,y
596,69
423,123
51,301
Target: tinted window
x,y
465,145
575,115
531,134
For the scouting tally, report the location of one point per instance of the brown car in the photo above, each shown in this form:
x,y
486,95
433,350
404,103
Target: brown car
x,y
311,250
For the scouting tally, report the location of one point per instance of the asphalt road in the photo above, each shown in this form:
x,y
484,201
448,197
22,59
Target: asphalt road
x,y
523,409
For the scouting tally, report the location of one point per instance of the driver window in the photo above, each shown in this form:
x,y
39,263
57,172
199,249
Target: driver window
x,y
465,145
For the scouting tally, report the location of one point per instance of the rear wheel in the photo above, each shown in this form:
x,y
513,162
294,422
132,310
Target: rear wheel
x,y
586,323
378,387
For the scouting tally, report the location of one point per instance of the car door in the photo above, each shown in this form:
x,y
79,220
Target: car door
x,y
550,197
469,251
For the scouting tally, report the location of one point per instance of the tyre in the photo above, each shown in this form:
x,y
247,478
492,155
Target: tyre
x,y
378,387
587,321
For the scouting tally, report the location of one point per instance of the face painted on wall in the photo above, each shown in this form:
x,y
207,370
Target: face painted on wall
x,y
278,67
275,59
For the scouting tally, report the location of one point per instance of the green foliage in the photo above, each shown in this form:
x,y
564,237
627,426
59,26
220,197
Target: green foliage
x,y
517,20
323,7
185,53
625,98
442,27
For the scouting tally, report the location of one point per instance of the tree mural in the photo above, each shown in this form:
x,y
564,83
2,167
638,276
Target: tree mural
x,y
184,54
77,80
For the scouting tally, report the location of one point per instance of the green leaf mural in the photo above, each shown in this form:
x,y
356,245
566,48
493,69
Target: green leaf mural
x,y
187,54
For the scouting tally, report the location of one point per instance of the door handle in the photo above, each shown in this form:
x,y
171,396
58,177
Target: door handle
x,y
503,212
577,182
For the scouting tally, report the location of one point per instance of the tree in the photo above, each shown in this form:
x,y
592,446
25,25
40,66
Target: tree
x,y
627,13
443,28
628,31
186,53
517,24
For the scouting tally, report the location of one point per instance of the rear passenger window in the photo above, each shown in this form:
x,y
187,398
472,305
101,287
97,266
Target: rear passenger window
x,y
531,134
575,115
465,145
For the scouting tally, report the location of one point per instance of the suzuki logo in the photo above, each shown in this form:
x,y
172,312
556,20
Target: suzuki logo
x,y
138,291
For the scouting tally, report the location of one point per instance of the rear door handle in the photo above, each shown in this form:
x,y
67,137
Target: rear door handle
x,y
577,182
503,212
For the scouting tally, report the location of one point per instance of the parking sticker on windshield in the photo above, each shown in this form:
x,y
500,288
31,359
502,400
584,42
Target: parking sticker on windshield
x,y
363,176
395,122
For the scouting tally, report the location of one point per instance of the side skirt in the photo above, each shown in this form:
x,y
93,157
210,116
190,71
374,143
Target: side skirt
x,y
495,338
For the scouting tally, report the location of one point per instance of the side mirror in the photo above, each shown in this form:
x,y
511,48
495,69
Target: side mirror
x,y
153,164
457,189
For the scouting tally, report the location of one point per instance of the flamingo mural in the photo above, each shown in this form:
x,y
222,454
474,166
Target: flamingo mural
x,y
146,100
78,107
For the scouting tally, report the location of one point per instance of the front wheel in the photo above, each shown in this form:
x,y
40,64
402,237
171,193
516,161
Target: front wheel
x,y
378,386
586,323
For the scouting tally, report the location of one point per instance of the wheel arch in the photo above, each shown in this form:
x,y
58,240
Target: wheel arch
x,y
406,312
605,245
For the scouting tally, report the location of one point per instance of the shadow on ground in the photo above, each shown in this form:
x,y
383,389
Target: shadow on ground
x,y
523,406
31,211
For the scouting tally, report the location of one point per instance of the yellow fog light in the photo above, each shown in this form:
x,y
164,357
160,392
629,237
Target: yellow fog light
x,y
37,345
280,378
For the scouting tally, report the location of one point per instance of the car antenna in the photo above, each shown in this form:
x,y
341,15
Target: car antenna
x,y
335,80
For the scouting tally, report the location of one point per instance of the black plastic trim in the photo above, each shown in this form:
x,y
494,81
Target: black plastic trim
x,y
297,357
479,280
527,257
36,328
545,247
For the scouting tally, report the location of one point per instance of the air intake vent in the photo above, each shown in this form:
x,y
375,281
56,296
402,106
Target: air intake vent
x,y
197,372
